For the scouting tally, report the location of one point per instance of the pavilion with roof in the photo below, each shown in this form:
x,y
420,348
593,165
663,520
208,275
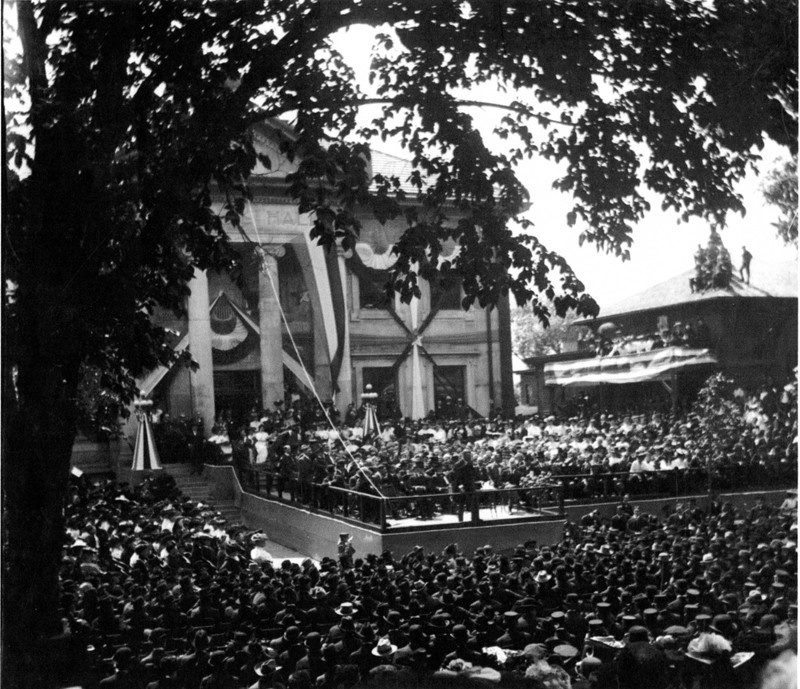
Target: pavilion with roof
x,y
667,339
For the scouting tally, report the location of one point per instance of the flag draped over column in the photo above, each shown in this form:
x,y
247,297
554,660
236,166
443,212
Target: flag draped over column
x,y
145,454
417,399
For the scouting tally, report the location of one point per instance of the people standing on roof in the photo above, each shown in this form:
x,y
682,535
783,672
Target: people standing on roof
x,y
745,267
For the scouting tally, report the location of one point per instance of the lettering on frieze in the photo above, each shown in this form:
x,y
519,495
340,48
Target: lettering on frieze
x,y
281,216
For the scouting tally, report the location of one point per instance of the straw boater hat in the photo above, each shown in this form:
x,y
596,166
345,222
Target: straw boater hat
x,y
346,609
384,649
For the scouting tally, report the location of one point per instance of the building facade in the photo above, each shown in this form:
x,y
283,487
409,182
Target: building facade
x,y
297,320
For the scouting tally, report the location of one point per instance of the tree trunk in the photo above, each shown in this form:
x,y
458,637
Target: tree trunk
x,y
38,430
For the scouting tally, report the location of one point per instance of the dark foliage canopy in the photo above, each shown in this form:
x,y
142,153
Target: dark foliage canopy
x,y
780,189
140,112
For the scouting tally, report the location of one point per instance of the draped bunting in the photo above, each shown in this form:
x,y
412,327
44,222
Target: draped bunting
x,y
374,260
657,364
232,331
328,291
417,401
386,260
340,315
151,381
370,427
414,344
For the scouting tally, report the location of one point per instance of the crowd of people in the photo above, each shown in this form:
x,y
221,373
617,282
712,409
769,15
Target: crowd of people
x,y
158,592
612,341
745,441
713,265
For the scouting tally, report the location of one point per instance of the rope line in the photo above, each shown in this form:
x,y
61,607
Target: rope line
x,y
312,387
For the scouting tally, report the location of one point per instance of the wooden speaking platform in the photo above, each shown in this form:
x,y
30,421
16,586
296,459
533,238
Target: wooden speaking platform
x,y
315,534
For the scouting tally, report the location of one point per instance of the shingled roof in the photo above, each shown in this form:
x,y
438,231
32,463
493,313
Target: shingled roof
x,y
768,280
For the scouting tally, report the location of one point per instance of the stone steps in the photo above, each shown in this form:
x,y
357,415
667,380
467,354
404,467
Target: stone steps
x,y
91,457
198,488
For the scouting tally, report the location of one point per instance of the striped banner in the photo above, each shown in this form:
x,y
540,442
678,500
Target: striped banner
x,y
145,454
371,426
658,364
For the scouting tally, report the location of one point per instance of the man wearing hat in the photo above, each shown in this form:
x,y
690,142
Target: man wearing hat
x,y
268,673
587,671
515,636
125,675
346,551
319,607
384,652
574,622
418,640
205,611
292,649
640,664
167,674
312,660
193,666
259,552
442,643
465,646
290,637
222,674
451,607
347,641
619,521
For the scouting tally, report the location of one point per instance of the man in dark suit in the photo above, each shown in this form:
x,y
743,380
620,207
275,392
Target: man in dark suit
x,y
125,675
462,481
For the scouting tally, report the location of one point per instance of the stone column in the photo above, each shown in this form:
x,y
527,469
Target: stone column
x,y
269,322
345,395
201,380
508,397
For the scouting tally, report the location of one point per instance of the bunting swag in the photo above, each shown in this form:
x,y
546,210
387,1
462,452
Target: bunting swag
x,y
145,454
657,364
233,332
363,272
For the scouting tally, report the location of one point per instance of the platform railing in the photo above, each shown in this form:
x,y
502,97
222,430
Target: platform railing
x,y
378,510
668,483
546,498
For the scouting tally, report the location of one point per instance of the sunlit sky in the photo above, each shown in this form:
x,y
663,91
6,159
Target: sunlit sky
x,y
661,246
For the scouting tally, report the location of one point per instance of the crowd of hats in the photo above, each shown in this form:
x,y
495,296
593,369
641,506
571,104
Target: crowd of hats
x,y
751,441
160,587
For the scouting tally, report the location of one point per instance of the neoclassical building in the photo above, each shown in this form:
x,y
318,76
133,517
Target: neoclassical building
x,y
299,320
